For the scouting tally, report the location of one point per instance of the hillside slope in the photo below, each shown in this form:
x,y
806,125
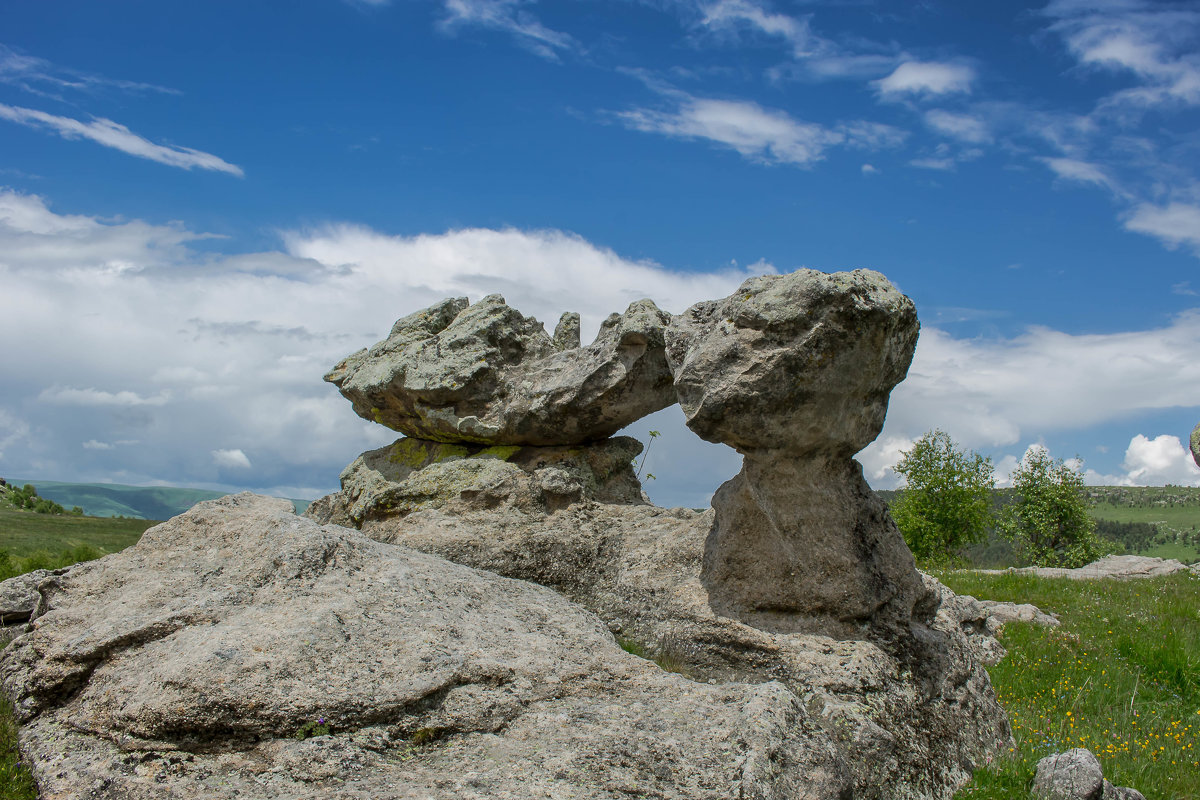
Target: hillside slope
x,y
118,500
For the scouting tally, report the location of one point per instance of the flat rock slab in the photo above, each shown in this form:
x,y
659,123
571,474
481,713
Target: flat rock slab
x,y
1120,567
186,666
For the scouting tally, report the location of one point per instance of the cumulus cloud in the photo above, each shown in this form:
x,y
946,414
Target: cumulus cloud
x,y
233,459
176,357
926,78
182,352
508,16
990,394
117,136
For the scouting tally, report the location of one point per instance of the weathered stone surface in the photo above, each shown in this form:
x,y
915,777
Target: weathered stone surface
x,y
485,373
981,620
908,720
802,362
794,371
19,596
1125,567
1120,793
413,474
1196,444
1076,775
185,666
1073,775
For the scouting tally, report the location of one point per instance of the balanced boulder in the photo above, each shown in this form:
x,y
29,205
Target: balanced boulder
x,y
487,374
795,371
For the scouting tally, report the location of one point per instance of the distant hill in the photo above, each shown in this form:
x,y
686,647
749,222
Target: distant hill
x,y
135,502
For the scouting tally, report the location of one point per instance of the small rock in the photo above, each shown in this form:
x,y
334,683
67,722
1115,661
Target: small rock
x,y
1073,775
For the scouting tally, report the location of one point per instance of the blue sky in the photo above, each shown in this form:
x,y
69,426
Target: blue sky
x,y
203,206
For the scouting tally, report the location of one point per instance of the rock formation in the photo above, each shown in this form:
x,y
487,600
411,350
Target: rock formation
x,y
1196,444
1076,775
460,643
794,372
487,374
195,663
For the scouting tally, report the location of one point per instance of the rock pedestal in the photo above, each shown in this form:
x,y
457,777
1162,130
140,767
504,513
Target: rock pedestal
x,y
794,371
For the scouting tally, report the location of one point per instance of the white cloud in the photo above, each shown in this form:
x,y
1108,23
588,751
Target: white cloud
x,y
1174,224
965,127
991,394
233,459
41,77
760,134
927,78
1163,459
68,396
188,352
510,17
92,444
868,169
764,135
1079,171
735,14
1155,42
117,136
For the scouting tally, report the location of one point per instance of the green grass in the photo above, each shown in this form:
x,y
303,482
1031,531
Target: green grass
x,y
1120,677
16,782
23,533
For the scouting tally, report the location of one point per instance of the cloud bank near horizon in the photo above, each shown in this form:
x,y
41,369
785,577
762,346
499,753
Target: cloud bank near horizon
x,y
150,360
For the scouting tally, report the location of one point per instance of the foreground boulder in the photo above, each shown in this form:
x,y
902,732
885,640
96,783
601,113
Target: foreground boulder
x,y
1076,775
195,663
487,374
794,372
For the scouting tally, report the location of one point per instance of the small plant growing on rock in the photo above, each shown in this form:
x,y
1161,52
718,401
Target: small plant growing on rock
x,y
317,727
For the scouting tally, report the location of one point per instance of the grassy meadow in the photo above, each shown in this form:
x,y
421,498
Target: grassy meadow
x,y
1120,676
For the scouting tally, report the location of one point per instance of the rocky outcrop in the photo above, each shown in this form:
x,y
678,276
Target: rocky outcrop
x,y
414,474
460,643
981,620
794,371
1196,444
1126,567
196,663
487,374
906,720
1076,775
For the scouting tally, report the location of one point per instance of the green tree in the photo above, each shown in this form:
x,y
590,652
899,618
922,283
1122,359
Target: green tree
x,y
947,500
1048,518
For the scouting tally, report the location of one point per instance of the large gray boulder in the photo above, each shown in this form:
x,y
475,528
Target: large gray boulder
x,y
794,371
487,374
196,663
413,474
908,719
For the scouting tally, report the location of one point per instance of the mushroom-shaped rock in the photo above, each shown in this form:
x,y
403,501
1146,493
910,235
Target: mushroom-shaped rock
x,y
487,374
794,371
